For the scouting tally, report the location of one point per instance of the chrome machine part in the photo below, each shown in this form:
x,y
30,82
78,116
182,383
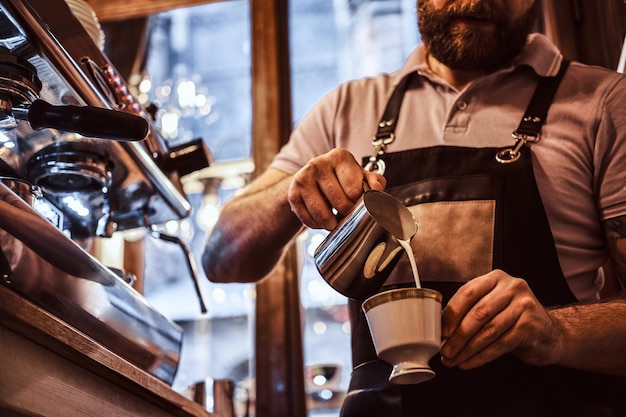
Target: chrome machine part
x,y
60,277
70,127
48,43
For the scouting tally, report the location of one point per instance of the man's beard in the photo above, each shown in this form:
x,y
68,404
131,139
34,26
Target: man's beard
x,y
473,49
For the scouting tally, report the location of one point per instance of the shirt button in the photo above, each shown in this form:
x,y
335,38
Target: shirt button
x,y
461,105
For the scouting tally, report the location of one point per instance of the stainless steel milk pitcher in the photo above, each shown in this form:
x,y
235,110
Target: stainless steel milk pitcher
x,y
358,255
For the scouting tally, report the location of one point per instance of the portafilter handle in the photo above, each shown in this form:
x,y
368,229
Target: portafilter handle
x,y
93,122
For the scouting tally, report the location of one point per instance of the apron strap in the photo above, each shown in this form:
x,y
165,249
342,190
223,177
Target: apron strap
x,y
528,130
388,121
535,115
387,126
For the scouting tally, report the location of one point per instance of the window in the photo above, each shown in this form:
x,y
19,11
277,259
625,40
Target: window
x,y
332,42
198,76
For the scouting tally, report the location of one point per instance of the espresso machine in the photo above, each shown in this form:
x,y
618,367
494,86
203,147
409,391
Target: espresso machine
x,y
80,158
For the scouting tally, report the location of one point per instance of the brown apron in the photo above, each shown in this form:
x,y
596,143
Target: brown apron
x,y
523,246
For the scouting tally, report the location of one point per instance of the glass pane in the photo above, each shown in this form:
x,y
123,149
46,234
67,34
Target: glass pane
x,y
198,77
332,42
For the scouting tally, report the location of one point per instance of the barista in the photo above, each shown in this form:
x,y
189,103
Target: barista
x,y
518,230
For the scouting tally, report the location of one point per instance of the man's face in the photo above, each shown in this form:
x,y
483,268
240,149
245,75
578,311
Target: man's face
x,y
475,35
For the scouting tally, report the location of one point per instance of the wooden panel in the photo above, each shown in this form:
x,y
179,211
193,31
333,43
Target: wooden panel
x,y
589,31
36,381
278,344
39,352
125,44
278,347
111,10
271,86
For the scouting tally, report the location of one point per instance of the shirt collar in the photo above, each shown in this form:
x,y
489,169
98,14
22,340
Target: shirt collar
x,y
539,54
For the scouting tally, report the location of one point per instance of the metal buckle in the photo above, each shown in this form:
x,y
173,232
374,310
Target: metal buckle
x,y
509,155
375,164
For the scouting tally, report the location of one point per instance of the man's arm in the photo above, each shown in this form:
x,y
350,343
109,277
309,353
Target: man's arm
x,y
615,231
255,226
594,335
252,231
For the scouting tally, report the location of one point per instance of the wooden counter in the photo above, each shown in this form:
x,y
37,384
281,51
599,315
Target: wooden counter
x,y
48,368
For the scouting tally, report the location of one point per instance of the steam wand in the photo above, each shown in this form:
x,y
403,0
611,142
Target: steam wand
x,y
188,255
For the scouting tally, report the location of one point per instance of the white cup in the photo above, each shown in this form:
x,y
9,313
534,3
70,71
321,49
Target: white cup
x,y
406,329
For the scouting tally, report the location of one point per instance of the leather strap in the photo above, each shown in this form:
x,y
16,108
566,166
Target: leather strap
x,y
530,125
388,122
537,110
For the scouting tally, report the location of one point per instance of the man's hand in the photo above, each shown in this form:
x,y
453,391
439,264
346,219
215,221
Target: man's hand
x,y
495,314
334,180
